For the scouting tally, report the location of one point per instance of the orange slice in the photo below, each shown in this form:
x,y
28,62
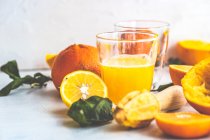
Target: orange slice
x,y
81,84
192,51
177,72
49,58
184,124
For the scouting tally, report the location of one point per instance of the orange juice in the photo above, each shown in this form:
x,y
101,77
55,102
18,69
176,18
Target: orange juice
x,y
125,73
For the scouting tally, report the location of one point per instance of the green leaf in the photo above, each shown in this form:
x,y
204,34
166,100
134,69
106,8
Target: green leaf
x,y
12,85
80,112
41,79
102,111
176,61
93,111
28,79
162,87
11,69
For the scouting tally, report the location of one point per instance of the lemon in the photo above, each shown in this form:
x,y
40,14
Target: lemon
x,y
49,58
81,85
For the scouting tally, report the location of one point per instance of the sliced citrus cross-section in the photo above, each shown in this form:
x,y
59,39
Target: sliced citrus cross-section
x,y
177,72
81,84
184,124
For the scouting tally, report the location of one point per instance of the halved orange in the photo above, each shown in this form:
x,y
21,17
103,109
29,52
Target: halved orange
x,y
184,124
177,72
196,86
49,58
81,84
192,51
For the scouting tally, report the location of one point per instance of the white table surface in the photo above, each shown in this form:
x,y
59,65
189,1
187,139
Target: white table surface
x,y
39,114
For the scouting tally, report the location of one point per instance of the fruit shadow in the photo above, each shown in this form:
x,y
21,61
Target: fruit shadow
x,y
23,90
60,113
60,110
44,92
63,119
70,123
151,131
66,121
48,94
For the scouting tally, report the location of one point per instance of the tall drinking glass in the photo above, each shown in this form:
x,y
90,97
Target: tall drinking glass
x,y
127,61
150,26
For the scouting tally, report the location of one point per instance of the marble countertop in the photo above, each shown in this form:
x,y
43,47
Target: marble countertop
x,y
39,114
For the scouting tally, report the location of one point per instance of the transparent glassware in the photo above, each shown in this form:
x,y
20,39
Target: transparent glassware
x,y
150,26
127,61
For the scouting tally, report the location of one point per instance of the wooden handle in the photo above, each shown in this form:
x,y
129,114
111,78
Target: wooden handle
x,y
171,98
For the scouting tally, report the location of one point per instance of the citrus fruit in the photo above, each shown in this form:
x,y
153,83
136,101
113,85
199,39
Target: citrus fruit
x,y
81,84
177,72
50,58
196,86
192,51
184,124
75,57
137,109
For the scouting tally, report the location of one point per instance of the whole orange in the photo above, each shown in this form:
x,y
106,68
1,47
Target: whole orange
x,y
75,57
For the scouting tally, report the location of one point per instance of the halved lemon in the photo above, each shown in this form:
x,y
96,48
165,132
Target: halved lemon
x,y
81,85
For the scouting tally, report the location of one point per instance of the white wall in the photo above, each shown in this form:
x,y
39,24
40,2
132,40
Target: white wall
x,y
31,28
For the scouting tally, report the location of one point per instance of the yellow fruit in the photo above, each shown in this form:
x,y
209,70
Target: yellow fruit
x,y
196,86
184,124
137,109
177,72
81,84
49,58
192,51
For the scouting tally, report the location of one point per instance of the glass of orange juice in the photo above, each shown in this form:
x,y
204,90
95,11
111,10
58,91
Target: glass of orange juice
x,y
127,61
150,26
